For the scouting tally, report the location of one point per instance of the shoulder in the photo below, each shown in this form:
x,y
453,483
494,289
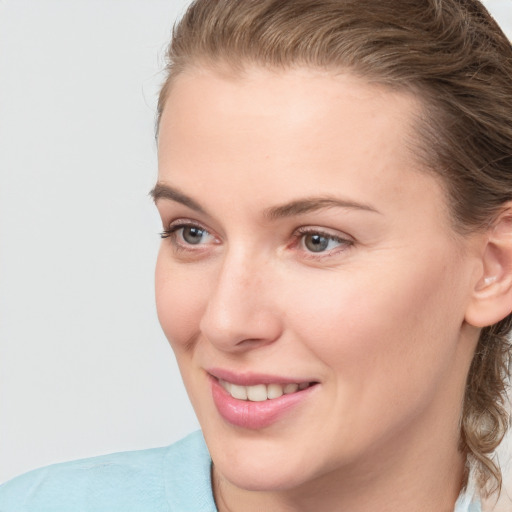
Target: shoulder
x,y
123,479
147,480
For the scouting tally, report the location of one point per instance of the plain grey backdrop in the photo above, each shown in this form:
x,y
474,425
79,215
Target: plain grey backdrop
x,y
84,367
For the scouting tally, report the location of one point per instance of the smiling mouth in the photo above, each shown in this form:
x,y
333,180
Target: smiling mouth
x,y
262,392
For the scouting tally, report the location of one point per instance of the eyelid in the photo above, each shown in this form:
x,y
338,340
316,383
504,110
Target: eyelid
x,y
345,241
334,233
180,223
177,224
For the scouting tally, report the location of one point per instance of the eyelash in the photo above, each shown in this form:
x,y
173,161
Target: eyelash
x,y
301,233
172,230
298,236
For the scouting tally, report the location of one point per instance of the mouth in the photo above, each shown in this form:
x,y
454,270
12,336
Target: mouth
x,y
263,392
257,402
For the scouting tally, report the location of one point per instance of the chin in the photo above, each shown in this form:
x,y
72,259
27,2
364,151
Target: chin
x,y
268,479
265,466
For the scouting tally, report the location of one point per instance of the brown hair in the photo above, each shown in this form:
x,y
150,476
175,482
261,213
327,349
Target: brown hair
x,y
453,56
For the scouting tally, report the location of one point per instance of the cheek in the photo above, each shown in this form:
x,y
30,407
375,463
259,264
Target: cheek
x,y
383,329
179,303
388,344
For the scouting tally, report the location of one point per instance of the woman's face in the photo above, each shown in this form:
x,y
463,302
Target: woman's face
x,y
311,266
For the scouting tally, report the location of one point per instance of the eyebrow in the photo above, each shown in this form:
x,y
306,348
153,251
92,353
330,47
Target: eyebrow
x,y
161,191
293,208
312,204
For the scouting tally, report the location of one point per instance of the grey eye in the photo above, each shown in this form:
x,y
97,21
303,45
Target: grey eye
x,y
316,242
193,235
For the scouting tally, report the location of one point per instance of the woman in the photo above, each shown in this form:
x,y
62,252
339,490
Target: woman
x,y
335,275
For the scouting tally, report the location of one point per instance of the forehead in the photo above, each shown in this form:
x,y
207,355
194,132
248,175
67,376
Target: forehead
x,y
290,132
271,91
286,100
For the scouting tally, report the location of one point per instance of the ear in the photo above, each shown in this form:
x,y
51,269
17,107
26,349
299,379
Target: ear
x,y
491,300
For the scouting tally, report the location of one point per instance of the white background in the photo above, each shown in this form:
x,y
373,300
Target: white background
x,y
84,367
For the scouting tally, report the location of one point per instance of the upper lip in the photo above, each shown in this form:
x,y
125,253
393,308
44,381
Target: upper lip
x,y
252,379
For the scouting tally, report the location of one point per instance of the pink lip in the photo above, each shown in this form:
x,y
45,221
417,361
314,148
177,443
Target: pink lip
x,y
251,379
254,415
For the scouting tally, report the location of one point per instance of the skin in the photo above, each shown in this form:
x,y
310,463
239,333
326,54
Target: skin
x,y
378,319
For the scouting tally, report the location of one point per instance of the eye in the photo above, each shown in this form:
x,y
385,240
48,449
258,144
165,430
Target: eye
x,y
185,234
193,235
315,241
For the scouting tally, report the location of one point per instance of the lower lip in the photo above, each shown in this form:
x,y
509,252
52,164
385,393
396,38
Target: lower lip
x,y
255,415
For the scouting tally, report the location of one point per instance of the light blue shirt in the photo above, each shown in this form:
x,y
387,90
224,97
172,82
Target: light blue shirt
x,y
171,479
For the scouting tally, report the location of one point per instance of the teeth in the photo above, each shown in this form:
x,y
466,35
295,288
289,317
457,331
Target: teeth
x,y
257,393
225,385
290,388
261,392
238,392
274,391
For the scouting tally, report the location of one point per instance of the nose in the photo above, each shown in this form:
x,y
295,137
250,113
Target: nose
x,y
241,312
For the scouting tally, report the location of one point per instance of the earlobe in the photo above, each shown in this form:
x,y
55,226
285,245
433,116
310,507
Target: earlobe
x,y
491,299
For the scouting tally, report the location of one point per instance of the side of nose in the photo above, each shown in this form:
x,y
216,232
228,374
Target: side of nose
x,y
241,311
